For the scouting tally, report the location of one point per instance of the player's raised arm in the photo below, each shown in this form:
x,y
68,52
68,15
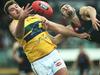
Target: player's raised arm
x,y
17,13
14,51
89,13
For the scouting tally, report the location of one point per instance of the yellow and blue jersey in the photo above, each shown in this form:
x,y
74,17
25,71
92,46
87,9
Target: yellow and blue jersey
x,y
36,41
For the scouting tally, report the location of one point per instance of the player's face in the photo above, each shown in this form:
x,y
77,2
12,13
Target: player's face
x,y
14,10
67,10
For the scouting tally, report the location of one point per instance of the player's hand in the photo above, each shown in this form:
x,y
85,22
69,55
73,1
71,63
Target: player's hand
x,y
26,11
20,60
44,21
96,23
84,36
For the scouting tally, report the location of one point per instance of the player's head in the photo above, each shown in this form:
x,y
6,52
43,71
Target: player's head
x,y
12,9
67,10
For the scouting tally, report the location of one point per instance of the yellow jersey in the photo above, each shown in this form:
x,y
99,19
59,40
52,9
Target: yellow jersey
x,y
36,41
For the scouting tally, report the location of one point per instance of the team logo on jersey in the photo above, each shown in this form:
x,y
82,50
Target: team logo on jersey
x,y
58,62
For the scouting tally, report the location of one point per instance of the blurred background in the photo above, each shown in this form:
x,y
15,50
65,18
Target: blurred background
x,y
70,48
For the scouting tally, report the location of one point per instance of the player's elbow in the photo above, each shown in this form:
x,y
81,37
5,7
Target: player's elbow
x,y
19,35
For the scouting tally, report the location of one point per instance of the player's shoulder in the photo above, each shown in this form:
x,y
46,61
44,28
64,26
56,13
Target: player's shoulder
x,y
14,22
13,25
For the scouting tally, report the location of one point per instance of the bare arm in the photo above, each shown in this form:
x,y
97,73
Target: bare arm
x,y
15,55
19,31
63,30
89,13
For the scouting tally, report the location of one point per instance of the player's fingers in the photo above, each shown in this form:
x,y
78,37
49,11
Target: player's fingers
x,y
23,7
43,21
98,24
85,35
30,10
96,27
44,24
27,5
98,21
89,37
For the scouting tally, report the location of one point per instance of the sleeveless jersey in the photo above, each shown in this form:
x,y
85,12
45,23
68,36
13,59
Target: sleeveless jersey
x,y
36,40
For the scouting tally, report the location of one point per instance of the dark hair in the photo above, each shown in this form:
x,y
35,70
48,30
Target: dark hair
x,y
7,4
61,5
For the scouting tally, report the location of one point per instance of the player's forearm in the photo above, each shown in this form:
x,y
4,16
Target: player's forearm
x,y
14,54
61,29
67,32
19,32
17,58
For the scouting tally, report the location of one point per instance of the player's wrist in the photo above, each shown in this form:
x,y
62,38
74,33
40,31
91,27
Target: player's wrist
x,y
21,19
78,35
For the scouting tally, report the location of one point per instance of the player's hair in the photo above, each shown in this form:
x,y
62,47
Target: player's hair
x,y
62,4
70,15
7,4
